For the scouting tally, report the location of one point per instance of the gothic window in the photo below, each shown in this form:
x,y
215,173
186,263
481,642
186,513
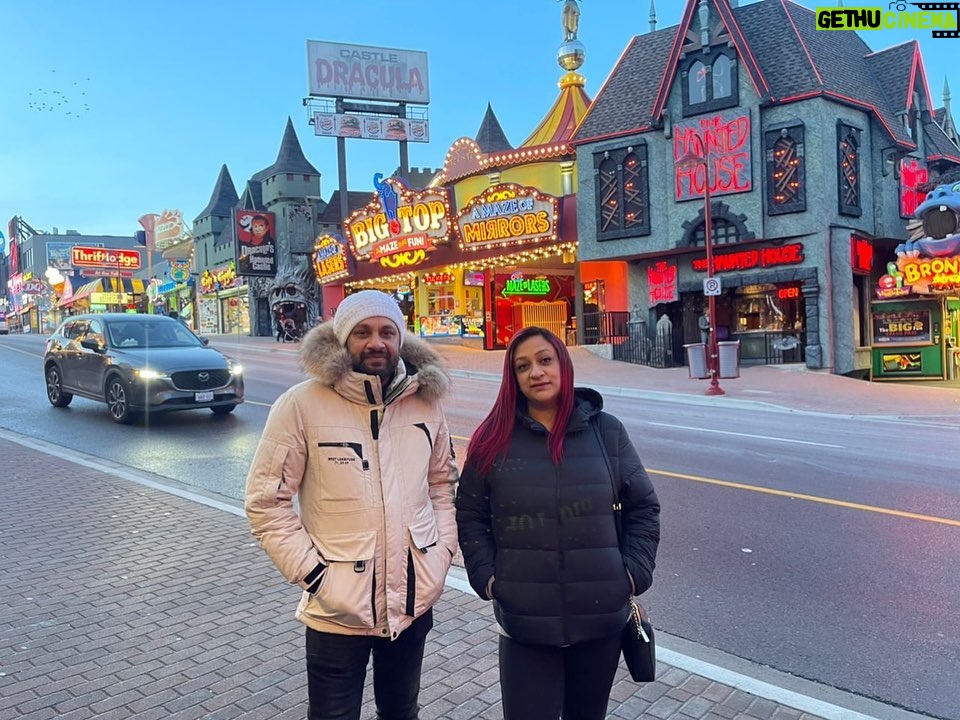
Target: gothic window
x,y
634,185
711,82
697,80
721,77
786,183
848,170
609,204
623,196
722,230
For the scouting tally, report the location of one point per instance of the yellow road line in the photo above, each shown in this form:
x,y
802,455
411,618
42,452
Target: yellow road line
x,y
796,496
809,498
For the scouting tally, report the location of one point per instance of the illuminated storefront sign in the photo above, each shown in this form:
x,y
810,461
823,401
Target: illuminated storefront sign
x,y
727,155
399,226
219,278
517,284
662,282
96,257
441,278
745,259
508,214
901,327
179,271
330,259
932,275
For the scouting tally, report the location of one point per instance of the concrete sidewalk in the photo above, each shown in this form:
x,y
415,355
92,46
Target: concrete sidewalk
x,y
127,597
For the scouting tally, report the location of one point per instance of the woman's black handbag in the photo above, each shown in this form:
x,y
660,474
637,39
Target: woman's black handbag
x,y
636,639
638,645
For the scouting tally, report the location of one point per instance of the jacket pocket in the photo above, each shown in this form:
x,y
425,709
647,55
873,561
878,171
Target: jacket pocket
x,y
346,595
427,566
344,482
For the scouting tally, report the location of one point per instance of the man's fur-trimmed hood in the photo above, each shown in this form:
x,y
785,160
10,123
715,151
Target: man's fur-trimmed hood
x,y
323,357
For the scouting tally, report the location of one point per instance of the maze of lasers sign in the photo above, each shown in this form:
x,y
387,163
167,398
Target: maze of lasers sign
x,y
330,259
399,226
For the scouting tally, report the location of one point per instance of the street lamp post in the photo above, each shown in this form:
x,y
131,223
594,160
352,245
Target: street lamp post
x,y
692,158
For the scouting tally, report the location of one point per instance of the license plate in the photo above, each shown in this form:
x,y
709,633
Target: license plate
x,y
204,396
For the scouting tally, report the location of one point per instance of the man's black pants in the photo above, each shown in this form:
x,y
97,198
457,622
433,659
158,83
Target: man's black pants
x,y
337,669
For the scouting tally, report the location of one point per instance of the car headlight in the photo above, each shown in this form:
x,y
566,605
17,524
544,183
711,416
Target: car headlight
x,y
148,374
236,369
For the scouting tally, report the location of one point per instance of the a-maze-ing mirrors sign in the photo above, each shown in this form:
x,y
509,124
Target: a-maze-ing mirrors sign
x,y
508,214
330,259
399,227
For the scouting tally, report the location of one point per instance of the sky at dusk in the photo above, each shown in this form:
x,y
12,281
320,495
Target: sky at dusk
x,y
115,109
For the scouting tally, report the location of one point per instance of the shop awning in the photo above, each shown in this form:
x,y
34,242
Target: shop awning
x,y
133,286
85,290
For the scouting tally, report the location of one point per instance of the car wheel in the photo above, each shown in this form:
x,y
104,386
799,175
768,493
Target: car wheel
x,y
55,393
223,409
118,400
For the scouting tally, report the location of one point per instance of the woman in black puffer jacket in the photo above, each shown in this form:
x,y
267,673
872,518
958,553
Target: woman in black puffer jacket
x,y
535,511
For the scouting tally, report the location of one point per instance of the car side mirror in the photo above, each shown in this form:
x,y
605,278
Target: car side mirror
x,y
91,345
205,340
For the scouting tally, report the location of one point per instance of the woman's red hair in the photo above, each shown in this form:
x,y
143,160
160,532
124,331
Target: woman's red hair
x,y
492,439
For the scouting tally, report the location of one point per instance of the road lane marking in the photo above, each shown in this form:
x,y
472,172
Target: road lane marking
x,y
809,498
747,435
22,352
793,495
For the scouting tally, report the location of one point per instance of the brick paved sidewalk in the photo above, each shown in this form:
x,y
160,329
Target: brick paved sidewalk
x,y
124,601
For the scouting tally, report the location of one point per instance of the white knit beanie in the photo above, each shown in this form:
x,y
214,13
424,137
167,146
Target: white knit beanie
x,y
363,305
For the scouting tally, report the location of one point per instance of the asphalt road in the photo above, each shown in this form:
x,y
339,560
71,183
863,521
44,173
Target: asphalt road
x,y
827,547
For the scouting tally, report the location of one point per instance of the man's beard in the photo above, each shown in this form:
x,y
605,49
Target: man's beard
x,y
385,373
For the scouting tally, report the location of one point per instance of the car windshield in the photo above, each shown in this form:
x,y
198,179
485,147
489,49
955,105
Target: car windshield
x,y
139,332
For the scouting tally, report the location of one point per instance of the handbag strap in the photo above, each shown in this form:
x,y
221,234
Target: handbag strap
x,y
613,482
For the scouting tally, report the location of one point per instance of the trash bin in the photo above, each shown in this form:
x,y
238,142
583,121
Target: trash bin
x,y
697,360
729,360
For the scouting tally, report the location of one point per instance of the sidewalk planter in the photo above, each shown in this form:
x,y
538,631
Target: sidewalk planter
x,y
697,360
729,352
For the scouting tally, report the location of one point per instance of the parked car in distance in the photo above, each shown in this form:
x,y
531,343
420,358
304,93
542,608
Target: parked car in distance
x,y
138,364
4,328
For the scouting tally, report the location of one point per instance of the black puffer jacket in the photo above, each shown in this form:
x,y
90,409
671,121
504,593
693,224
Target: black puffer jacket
x,y
547,533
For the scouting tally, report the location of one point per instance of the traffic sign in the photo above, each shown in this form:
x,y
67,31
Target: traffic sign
x,y
711,286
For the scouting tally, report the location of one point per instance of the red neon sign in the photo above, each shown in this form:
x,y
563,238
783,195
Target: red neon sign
x,y
745,259
912,176
788,293
861,254
725,143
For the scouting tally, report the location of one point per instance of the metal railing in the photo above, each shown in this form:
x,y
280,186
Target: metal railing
x,y
631,340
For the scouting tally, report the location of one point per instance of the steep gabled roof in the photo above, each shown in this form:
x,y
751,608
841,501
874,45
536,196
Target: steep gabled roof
x,y
839,59
686,35
252,198
490,137
290,158
223,199
938,145
625,101
794,64
563,117
894,65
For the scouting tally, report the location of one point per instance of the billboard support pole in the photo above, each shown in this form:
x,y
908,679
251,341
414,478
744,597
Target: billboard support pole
x,y
404,145
342,172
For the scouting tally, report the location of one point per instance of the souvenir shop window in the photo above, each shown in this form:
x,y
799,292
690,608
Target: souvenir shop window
x,y
623,193
710,82
786,182
848,170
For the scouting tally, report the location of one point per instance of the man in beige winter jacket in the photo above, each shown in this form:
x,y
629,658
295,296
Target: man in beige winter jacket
x,y
365,446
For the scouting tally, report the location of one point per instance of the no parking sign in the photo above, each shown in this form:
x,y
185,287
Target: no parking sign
x,y
711,286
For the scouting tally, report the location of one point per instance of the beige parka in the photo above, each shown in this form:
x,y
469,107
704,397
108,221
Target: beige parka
x,y
375,484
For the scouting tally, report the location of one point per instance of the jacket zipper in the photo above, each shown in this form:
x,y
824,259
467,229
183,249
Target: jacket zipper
x,y
563,573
